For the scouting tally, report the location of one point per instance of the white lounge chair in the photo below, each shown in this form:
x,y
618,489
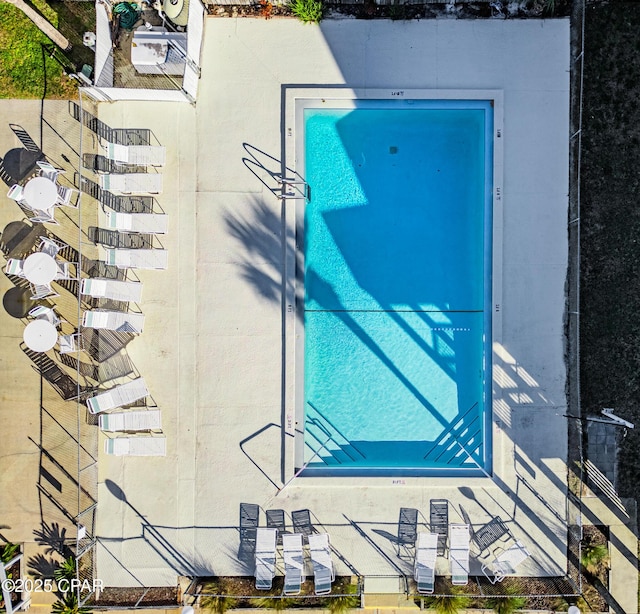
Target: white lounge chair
x,y
140,155
293,563
149,223
118,396
15,267
459,540
131,183
136,446
265,557
323,571
127,291
506,563
425,564
137,258
147,420
121,321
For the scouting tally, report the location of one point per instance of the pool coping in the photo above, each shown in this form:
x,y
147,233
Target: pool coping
x,y
295,99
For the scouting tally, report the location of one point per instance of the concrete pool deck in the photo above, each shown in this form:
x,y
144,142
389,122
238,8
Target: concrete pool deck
x,y
215,349
218,350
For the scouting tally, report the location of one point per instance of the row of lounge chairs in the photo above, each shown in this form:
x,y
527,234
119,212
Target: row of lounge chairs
x,y
263,542
428,546
128,291
293,559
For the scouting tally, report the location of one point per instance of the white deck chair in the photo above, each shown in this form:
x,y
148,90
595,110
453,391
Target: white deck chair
x,y
123,394
64,196
39,291
121,321
149,223
147,420
68,344
131,183
45,217
141,155
137,258
40,312
16,192
506,563
265,557
127,291
50,246
425,564
323,571
63,271
15,267
136,446
49,171
293,563
459,541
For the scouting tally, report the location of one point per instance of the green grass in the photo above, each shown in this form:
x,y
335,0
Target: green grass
x,y
22,62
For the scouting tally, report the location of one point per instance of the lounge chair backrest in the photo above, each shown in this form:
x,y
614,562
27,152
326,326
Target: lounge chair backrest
x,y
439,522
302,522
490,533
407,526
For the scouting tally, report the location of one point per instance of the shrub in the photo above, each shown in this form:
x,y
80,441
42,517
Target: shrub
x,y
272,602
506,605
307,11
69,605
594,557
218,601
66,570
9,550
343,603
447,604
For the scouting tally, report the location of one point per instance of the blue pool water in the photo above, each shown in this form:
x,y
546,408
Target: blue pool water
x,y
397,288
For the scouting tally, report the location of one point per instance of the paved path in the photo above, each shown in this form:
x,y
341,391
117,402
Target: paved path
x,y
623,550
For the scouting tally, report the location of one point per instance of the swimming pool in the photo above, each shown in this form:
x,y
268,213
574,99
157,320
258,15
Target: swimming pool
x,y
397,283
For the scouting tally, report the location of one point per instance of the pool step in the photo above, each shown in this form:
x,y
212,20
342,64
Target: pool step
x,y
325,447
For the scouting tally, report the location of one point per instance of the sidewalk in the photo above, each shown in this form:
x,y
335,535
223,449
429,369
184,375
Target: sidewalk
x,y
623,550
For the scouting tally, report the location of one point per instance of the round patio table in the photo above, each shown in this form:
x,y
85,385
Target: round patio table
x,y
40,268
41,193
40,335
